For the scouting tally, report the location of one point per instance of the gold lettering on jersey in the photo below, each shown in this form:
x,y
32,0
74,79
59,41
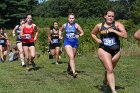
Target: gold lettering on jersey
x,y
103,31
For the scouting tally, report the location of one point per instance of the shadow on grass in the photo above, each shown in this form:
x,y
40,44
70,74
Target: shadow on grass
x,y
65,62
106,88
78,71
71,74
35,69
60,62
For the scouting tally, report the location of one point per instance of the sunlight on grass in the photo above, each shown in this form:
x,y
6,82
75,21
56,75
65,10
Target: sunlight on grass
x,y
51,78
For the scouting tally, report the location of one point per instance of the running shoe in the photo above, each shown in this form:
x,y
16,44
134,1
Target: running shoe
x,y
1,60
50,56
68,69
56,63
75,75
27,69
23,64
105,86
33,65
104,82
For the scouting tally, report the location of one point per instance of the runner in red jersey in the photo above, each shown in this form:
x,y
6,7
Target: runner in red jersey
x,y
29,33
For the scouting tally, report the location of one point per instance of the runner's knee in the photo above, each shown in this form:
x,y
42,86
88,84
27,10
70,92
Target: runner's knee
x,y
109,70
21,52
136,36
71,57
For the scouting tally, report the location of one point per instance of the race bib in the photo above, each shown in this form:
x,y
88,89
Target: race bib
x,y
55,40
109,41
18,31
19,36
70,35
2,41
28,37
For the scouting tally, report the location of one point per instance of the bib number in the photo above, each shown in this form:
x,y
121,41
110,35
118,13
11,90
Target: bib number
x,y
19,36
2,41
109,41
28,36
18,31
55,40
70,35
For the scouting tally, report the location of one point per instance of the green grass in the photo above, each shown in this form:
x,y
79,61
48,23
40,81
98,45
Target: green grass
x,y
51,78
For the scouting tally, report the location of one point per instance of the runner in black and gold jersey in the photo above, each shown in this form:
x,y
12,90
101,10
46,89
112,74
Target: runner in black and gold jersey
x,y
109,51
54,40
3,45
16,32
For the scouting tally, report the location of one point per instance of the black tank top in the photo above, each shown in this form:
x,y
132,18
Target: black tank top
x,y
110,38
55,37
18,30
2,39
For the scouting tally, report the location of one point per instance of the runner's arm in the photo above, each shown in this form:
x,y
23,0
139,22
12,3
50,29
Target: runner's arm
x,y
122,32
21,32
14,30
49,36
94,33
36,32
61,30
81,32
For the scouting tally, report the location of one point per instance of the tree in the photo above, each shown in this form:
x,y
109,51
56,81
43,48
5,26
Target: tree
x,y
13,10
122,8
2,12
135,11
81,8
88,8
60,7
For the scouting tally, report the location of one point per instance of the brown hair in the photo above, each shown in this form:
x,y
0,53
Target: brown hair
x,y
22,20
54,22
71,14
2,30
106,11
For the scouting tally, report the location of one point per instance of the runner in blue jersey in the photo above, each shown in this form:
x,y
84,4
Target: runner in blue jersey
x,y
72,32
16,32
109,51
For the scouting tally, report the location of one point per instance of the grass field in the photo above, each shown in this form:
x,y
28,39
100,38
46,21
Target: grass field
x,y
51,78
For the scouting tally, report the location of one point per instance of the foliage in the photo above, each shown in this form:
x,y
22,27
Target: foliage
x,y
88,14
135,11
2,12
92,8
13,10
87,44
122,8
47,22
81,8
42,41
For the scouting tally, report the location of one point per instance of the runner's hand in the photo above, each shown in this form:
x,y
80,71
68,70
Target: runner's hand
x,y
77,36
34,39
110,30
98,41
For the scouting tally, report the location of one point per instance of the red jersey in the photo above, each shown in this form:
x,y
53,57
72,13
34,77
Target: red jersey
x,y
30,33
